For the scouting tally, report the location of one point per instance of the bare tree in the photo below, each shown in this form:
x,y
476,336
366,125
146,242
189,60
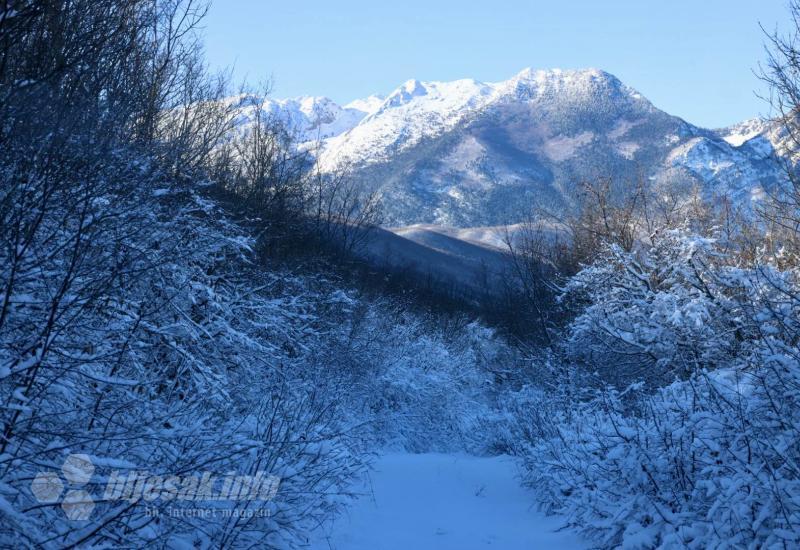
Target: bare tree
x,y
132,321
343,212
781,73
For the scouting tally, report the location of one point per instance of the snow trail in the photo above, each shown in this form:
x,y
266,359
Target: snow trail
x,y
444,502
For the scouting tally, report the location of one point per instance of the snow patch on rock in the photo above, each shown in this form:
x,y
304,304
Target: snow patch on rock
x,y
561,148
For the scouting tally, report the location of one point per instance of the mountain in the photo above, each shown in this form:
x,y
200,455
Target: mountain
x,y
311,118
744,131
469,153
458,261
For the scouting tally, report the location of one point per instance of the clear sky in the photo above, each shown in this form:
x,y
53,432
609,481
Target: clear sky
x,y
691,58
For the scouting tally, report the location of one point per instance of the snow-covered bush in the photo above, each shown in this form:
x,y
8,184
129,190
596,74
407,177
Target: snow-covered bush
x,y
418,386
654,315
707,460
190,360
135,326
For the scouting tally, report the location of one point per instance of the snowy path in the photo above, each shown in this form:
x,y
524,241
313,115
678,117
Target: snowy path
x,y
436,501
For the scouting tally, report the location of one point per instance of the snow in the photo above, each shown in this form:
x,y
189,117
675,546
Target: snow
x,y
740,133
628,149
366,105
563,147
418,110
412,112
314,117
622,126
444,501
535,109
715,161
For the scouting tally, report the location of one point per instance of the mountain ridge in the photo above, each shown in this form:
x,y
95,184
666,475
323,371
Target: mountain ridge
x,y
470,153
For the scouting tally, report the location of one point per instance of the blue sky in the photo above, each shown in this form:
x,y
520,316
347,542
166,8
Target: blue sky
x,y
694,59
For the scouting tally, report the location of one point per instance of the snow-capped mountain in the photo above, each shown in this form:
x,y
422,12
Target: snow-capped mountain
x,y
418,110
744,131
468,153
312,118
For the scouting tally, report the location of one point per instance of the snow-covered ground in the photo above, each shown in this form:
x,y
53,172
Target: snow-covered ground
x,y
440,502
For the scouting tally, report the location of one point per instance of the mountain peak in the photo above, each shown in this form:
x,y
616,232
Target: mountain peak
x,y
405,93
531,82
367,105
414,87
565,75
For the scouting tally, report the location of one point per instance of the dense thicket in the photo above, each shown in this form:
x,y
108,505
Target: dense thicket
x,y
141,327
667,412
